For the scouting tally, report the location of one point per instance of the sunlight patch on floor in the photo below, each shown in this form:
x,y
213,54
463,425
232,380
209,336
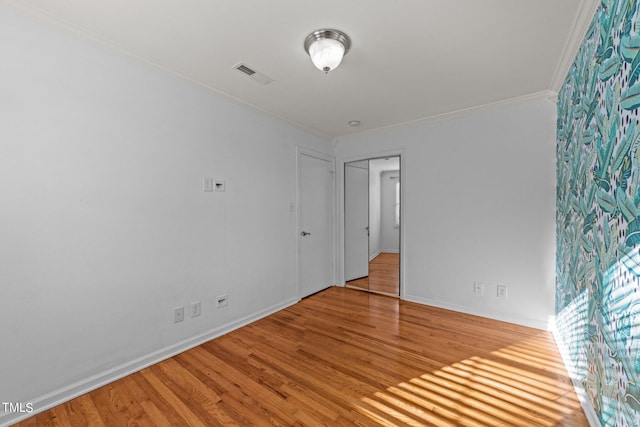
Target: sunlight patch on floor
x,y
517,385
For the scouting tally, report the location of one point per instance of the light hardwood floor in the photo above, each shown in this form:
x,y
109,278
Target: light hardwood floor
x,y
384,275
341,358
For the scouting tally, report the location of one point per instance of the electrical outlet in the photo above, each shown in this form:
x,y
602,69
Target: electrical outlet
x,y
221,301
195,309
502,291
178,314
478,288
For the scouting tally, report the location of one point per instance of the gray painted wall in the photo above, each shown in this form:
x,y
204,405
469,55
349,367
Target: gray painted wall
x,y
478,205
105,225
390,234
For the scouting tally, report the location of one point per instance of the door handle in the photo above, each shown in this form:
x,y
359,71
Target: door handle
x,y
305,233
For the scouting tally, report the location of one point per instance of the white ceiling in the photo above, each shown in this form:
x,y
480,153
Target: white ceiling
x,y
410,59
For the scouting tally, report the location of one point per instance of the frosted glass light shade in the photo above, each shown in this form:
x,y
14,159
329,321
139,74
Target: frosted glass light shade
x,y
326,54
327,48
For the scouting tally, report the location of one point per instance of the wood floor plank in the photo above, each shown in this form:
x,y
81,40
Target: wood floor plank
x,y
122,405
192,392
60,416
345,358
384,275
87,407
234,401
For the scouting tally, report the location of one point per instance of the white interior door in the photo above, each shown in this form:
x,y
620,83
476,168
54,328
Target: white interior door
x,y
356,208
316,213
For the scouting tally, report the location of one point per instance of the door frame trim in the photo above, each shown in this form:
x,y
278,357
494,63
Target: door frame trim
x,y
340,252
303,151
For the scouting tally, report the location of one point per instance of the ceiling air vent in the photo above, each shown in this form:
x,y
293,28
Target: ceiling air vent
x,y
248,71
253,74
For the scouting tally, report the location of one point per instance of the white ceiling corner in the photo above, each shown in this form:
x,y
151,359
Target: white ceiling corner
x,y
578,30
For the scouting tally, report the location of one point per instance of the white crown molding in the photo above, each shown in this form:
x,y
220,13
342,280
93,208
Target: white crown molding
x,y
545,94
578,31
46,18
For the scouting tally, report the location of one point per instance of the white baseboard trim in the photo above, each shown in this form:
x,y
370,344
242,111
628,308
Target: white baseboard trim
x,y
523,321
587,406
64,394
372,257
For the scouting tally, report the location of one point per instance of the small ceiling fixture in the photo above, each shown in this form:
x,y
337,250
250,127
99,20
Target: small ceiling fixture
x,y
354,123
327,48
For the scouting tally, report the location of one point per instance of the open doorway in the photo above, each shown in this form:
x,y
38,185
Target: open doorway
x,y
372,225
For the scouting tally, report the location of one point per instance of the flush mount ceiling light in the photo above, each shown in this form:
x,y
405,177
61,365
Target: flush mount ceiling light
x,y
327,48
